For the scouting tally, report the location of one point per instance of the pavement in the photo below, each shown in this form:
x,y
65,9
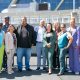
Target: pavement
x,y
36,75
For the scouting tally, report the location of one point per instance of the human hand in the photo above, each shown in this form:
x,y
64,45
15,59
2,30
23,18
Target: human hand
x,y
48,45
77,47
66,47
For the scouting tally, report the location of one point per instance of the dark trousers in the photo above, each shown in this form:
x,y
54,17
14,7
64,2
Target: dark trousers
x,y
4,65
56,59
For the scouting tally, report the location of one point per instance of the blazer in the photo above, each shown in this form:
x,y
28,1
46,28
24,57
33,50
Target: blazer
x,y
9,42
52,39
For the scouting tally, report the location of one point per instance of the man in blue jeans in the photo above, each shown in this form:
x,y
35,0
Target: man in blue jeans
x,y
25,40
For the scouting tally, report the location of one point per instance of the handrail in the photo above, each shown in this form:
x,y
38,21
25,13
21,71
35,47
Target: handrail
x,y
59,4
12,3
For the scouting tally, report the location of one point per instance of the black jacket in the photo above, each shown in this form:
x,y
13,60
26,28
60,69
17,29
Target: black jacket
x,y
29,40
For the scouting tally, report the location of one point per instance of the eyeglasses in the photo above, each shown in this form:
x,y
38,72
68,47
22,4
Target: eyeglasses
x,y
62,27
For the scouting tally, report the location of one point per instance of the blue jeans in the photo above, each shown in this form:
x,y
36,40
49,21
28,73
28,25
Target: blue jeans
x,y
40,51
23,52
62,55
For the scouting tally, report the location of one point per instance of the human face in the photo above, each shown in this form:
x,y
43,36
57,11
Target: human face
x,y
11,28
63,28
6,21
42,23
24,21
72,22
56,26
48,27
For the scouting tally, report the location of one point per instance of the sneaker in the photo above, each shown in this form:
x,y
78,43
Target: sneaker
x,y
59,74
38,69
0,71
12,71
70,71
28,69
76,73
4,69
9,72
44,68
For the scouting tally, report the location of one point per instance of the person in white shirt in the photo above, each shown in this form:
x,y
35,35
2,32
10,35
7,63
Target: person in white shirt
x,y
10,48
39,45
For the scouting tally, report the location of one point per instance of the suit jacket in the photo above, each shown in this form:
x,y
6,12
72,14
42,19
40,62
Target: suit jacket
x,y
52,39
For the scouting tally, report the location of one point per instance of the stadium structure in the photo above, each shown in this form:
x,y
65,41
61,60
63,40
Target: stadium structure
x,y
35,10
55,4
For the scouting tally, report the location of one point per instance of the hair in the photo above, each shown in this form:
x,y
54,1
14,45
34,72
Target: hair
x,y
1,24
58,26
72,19
24,18
11,25
7,17
51,27
64,24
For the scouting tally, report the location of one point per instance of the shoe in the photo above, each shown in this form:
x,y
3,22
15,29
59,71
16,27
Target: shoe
x,y
38,68
44,68
10,72
70,71
0,71
59,74
28,69
49,73
50,70
4,69
76,73
19,70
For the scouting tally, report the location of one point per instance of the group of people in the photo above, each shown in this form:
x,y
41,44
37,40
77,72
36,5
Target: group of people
x,y
51,42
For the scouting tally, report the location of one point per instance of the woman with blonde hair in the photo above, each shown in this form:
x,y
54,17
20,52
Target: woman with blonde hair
x,y
10,48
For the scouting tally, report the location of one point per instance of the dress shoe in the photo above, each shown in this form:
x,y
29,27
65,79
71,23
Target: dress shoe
x,y
59,74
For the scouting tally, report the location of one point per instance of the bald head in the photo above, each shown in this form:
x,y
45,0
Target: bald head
x,y
24,21
42,23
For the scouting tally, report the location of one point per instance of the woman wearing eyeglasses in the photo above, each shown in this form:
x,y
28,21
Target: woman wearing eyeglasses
x,y
64,41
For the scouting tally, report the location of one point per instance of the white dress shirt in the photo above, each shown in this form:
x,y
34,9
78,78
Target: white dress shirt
x,y
40,34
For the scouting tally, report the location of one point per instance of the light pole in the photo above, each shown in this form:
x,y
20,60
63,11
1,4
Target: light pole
x,y
40,1
73,5
34,0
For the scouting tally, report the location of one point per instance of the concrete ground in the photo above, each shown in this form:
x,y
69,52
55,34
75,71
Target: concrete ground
x,y
36,75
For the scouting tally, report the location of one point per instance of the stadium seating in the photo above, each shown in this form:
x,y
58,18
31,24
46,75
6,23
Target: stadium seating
x,y
55,4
